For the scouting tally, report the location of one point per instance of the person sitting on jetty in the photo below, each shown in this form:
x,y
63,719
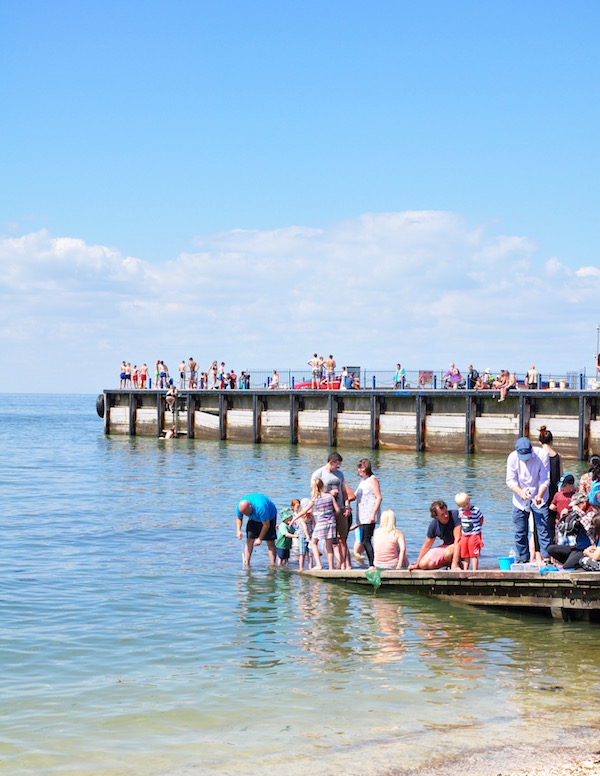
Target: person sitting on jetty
x,y
445,524
262,517
471,521
585,481
510,384
560,503
572,534
274,382
285,535
389,544
528,478
452,377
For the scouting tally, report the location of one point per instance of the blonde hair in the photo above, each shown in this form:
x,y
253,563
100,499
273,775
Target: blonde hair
x,y
316,487
387,522
462,499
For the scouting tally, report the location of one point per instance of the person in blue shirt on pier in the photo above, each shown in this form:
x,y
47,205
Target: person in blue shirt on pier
x,y
262,517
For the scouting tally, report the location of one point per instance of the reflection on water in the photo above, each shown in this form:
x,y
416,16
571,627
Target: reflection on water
x,y
133,641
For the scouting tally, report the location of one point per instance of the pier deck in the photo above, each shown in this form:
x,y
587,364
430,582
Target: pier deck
x,y
563,594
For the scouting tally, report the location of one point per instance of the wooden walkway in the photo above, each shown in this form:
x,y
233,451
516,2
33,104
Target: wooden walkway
x,y
565,595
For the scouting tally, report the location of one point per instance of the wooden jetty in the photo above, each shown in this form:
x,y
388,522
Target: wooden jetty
x,y
566,595
422,420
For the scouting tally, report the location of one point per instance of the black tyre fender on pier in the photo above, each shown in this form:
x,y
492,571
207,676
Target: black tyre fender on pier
x,y
100,405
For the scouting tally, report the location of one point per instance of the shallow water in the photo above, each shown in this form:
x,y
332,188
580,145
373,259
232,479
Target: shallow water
x,y
132,641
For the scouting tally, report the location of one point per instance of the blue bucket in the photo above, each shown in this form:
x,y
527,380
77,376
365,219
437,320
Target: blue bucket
x,y
506,562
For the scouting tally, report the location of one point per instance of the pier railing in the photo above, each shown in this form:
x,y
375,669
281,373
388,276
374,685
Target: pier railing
x,y
378,379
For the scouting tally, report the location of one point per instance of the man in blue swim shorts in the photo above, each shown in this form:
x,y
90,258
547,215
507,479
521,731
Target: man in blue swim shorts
x,y
262,516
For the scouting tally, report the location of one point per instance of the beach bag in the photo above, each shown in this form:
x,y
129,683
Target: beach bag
x,y
594,497
569,525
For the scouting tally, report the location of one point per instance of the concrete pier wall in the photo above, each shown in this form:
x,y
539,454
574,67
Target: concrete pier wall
x,y
454,421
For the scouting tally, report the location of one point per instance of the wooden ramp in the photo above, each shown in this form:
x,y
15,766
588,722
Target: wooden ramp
x,y
566,595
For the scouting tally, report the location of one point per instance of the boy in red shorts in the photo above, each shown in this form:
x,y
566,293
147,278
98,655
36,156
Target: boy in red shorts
x,y
471,521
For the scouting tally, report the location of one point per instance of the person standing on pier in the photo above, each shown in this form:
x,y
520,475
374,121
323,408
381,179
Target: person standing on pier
x,y
315,365
335,483
528,478
399,377
330,371
262,519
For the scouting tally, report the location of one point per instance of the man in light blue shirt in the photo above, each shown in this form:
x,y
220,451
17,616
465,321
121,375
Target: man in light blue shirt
x,y
528,478
262,518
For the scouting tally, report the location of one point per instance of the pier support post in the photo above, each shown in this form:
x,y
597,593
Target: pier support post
x,y
583,442
421,422
257,408
524,415
223,416
191,411
160,413
132,412
470,414
107,397
332,407
375,412
294,407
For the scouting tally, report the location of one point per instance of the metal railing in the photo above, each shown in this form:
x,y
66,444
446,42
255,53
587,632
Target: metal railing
x,y
384,379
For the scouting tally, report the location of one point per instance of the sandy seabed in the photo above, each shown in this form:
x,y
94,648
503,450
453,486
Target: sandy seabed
x,y
579,757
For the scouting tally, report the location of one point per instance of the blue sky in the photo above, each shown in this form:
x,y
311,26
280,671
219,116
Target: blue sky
x,y
256,181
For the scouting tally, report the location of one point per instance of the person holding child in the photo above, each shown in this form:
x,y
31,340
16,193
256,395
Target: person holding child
x,y
471,521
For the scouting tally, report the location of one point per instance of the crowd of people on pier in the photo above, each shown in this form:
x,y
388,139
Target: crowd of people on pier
x,y
189,375
324,373
556,521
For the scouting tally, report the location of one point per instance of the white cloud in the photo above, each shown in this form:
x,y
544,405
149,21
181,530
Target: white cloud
x,y
424,287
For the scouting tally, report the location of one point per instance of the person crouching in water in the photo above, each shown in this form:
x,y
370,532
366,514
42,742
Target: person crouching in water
x,y
471,521
325,510
285,534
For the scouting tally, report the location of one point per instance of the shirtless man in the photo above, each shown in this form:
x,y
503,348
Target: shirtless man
x,y
134,375
128,376
193,369
182,368
143,375
123,374
315,364
330,371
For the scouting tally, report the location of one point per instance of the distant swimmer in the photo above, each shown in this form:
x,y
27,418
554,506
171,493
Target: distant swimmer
x,y
262,517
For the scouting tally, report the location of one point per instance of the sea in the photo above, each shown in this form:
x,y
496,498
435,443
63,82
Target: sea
x,y
133,642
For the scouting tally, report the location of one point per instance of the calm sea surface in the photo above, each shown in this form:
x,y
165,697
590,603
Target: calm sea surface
x,y
132,642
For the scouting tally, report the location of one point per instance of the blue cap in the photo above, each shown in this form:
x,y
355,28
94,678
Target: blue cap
x,y
524,448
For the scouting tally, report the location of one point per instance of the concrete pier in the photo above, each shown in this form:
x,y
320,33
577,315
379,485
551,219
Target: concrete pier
x,y
564,595
425,420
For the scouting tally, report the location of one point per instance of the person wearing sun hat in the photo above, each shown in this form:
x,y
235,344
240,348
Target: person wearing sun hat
x,y
528,479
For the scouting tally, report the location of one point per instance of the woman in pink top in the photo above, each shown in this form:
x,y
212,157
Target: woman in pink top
x,y
389,543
